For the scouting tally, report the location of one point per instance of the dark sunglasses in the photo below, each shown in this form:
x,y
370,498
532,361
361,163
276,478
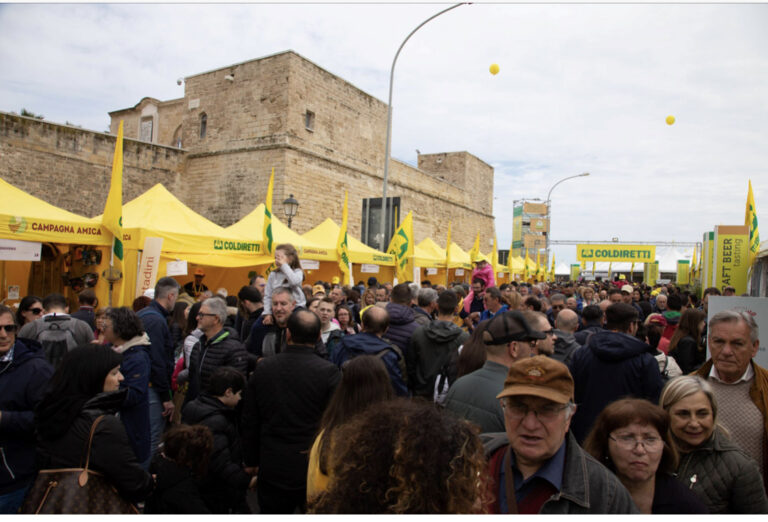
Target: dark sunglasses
x,y
9,328
36,311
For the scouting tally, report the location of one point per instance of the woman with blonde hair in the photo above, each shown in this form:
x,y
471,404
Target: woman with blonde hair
x,y
726,479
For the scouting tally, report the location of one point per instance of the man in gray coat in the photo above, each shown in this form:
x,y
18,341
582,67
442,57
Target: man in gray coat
x,y
508,337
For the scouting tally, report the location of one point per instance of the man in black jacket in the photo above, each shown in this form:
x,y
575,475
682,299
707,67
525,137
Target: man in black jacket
x,y
286,397
219,346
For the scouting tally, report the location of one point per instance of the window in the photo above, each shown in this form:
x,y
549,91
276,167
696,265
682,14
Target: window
x,y
309,121
145,130
203,124
372,215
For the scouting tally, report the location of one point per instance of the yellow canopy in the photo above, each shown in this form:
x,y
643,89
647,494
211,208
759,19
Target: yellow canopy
x,y
429,254
326,234
459,258
518,265
26,218
185,233
252,225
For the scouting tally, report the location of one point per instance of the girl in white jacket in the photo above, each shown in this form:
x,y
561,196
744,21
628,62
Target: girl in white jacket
x,y
287,274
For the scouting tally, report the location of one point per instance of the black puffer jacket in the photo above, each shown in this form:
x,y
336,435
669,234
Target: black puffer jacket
x,y
433,347
726,479
111,452
177,490
402,324
225,484
208,355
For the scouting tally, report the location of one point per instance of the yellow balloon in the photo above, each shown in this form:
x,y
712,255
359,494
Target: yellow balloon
x,y
670,120
494,68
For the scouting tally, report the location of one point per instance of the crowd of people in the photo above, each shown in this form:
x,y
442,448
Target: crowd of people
x,y
554,398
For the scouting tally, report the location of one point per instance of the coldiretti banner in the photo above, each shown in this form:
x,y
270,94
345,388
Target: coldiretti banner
x,y
731,257
683,272
575,271
616,253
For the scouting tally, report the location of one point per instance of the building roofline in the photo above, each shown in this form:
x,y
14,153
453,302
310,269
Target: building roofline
x,y
159,102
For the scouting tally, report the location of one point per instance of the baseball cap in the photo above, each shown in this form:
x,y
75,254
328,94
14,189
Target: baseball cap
x,y
627,289
317,289
509,326
539,376
199,271
656,319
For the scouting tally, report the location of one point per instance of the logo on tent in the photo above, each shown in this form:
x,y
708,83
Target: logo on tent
x,y
18,225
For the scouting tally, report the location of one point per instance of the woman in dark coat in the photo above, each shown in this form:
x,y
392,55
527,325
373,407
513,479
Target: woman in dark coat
x,y
85,386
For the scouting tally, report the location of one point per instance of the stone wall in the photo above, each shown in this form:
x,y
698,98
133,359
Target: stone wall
x,y
71,167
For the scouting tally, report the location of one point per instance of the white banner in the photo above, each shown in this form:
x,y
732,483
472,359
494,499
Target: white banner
x,y
309,264
146,277
757,307
369,269
431,271
13,250
459,271
176,268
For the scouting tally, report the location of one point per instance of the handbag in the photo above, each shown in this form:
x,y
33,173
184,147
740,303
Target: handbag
x,y
75,491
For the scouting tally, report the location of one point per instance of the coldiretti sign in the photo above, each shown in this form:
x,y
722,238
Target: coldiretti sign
x,y
616,253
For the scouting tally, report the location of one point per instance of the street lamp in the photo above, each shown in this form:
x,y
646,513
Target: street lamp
x,y
382,229
291,206
549,213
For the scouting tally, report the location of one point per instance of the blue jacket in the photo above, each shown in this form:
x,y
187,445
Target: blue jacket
x,y
22,383
368,344
611,366
134,412
402,324
154,319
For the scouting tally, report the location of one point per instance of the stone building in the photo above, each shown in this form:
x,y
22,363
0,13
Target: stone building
x,y
215,148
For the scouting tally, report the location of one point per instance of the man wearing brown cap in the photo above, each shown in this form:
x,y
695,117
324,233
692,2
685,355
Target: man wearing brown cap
x,y
508,337
196,288
540,467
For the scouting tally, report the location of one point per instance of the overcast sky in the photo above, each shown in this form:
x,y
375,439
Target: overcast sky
x,y
581,88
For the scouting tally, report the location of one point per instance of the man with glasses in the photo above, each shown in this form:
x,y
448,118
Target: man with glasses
x,y
613,364
539,467
557,302
219,346
508,337
24,373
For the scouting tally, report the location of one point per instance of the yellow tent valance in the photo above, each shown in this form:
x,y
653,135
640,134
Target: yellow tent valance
x,y
326,234
252,225
26,218
429,254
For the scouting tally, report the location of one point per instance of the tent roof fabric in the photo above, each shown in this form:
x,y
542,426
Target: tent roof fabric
x,y
429,254
459,258
326,234
252,225
158,213
27,218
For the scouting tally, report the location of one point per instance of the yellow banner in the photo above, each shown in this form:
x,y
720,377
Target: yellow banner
x,y
731,257
616,253
683,272
575,271
651,273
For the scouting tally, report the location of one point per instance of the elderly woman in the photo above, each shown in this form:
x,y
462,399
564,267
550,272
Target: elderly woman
x,y
631,437
724,477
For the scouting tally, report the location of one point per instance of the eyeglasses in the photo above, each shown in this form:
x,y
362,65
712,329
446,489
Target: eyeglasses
x,y
629,442
551,331
9,328
518,410
201,314
36,311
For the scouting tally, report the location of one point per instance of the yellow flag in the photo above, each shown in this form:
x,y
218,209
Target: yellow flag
x,y
474,253
269,242
693,267
112,218
750,219
526,270
401,247
495,259
538,264
342,247
593,268
552,269
448,254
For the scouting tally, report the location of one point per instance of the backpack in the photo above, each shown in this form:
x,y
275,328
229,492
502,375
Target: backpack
x,y
400,360
56,337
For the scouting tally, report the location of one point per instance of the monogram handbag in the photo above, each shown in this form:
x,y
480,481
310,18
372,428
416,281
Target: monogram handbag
x,y
75,491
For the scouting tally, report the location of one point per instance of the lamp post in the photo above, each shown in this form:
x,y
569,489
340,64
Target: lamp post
x,y
291,206
382,229
549,205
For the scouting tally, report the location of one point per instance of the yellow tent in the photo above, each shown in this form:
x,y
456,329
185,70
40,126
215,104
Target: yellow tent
x,y
252,225
26,218
429,254
327,233
459,258
518,265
